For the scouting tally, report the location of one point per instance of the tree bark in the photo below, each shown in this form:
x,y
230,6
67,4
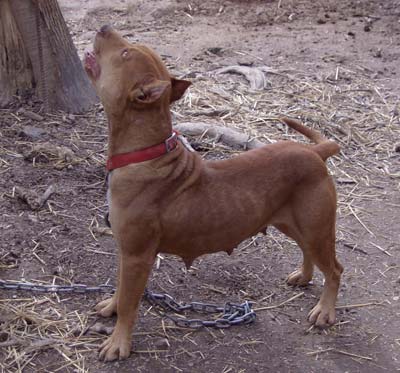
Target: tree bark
x,y
16,75
58,76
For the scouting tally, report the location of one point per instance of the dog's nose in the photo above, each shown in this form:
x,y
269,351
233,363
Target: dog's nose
x,y
104,29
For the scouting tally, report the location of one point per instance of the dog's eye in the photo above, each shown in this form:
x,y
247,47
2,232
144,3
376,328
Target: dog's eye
x,y
125,53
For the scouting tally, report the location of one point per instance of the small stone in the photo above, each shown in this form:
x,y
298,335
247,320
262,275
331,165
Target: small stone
x,y
367,28
397,148
31,132
3,336
101,329
169,322
162,344
218,51
191,75
30,114
33,218
245,62
378,53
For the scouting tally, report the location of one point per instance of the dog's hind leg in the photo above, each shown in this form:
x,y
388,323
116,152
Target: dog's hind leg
x,y
323,314
319,251
303,275
317,238
309,219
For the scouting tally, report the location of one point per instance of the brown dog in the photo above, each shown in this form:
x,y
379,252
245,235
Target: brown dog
x,y
167,199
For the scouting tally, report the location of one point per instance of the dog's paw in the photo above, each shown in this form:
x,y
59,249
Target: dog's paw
x,y
322,316
107,307
298,278
116,347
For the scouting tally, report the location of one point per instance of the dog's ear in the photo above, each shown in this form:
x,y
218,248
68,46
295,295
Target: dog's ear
x,y
178,88
149,92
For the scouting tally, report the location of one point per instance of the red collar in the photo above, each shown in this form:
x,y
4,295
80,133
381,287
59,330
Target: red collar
x,y
146,154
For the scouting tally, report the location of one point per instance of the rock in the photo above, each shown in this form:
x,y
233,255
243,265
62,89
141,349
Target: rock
x,y
45,151
218,51
30,114
378,53
32,132
101,329
162,344
245,62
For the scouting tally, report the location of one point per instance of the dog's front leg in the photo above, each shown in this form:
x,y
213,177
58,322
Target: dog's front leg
x,y
134,272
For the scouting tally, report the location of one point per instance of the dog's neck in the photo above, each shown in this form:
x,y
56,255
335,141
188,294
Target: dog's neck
x,y
135,131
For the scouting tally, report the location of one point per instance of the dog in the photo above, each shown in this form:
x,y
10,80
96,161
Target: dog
x,y
164,198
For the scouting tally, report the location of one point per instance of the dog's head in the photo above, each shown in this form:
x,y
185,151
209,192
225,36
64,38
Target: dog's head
x,y
129,75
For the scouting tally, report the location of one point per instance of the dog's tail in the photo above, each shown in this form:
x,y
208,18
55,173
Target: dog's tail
x,y
324,148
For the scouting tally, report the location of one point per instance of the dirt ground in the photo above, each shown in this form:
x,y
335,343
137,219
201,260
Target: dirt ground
x,y
335,65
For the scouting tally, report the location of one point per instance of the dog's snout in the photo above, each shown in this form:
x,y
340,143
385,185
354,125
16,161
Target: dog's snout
x,y
105,29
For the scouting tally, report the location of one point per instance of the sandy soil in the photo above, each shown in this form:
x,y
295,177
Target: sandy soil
x,y
343,54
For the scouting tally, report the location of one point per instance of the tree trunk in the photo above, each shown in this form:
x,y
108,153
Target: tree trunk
x,y
58,76
16,76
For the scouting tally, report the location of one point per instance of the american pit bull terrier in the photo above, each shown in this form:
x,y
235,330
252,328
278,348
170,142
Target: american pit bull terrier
x,y
167,199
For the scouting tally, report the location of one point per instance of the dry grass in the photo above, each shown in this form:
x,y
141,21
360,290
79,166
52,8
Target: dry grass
x,y
34,324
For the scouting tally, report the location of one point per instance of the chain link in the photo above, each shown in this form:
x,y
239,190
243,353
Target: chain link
x,y
230,314
76,288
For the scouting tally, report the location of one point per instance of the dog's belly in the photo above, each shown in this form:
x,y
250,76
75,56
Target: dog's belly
x,y
194,247
217,223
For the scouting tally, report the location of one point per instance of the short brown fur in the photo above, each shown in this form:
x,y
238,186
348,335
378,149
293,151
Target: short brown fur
x,y
183,205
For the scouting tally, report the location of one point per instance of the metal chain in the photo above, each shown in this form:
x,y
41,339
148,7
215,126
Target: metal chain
x,y
76,288
230,313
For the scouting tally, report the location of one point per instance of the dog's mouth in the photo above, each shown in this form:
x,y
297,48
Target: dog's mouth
x,y
91,65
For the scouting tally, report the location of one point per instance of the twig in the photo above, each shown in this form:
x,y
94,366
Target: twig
x,y
331,349
359,305
46,195
353,355
381,249
359,220
280,304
